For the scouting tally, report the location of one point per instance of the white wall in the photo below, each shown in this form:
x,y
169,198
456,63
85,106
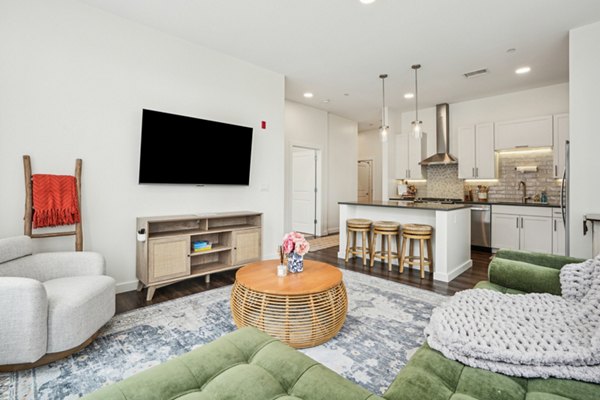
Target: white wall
x,y
336,139
73,82
584,66
369,148
546,100
343,175
306,127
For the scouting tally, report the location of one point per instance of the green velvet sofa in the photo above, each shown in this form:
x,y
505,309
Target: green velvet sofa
x,y
248,364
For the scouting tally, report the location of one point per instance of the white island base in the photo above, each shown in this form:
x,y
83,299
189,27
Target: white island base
x,y
451,231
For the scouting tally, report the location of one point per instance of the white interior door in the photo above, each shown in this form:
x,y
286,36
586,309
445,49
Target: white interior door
x,y
365,180
304,190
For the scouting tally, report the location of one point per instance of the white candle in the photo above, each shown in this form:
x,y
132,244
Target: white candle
x,y
281,270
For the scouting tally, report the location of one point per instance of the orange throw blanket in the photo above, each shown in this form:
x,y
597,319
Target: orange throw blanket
x,y
54,200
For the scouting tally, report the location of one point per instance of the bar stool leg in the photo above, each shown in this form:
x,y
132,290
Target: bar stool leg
x,y
347,243
398,239
354,243
383,248
372,248
430,256
363,239
369,240
422,256
402,255
389,257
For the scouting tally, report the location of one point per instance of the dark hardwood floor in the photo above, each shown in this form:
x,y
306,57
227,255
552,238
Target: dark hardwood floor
x,y
132,300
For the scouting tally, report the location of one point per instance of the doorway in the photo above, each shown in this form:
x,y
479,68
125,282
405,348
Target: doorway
x,y
304,190
365,180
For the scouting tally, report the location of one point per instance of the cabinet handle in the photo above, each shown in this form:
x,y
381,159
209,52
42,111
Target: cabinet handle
x,y
517,222
554,225
473,172
477,172
521,222
555,170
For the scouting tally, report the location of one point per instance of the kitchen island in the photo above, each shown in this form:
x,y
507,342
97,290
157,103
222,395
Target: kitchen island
x,y
451,230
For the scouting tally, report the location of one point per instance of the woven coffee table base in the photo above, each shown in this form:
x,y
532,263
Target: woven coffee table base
x,y
300,320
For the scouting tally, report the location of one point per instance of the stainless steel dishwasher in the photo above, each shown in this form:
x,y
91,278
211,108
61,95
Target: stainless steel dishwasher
x,y
481,225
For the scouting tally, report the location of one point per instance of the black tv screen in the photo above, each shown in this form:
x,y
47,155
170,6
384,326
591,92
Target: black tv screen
x,y
185,150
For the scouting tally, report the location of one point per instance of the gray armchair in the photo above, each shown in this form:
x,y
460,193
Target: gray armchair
x,y
51,304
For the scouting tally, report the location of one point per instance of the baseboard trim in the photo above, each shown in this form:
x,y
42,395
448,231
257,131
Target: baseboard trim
x,y
452,274
126,286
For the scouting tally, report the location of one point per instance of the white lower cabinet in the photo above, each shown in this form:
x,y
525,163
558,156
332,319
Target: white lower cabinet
x,y
505,231
522,228
558,233
536,234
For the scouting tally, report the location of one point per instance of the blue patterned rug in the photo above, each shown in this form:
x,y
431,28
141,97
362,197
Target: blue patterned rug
x,y
384,327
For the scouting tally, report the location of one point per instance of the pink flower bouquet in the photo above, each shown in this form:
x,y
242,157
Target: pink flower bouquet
x,y
294,242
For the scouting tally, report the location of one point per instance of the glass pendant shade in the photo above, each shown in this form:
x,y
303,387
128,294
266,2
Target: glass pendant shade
x,y
384,133
417,129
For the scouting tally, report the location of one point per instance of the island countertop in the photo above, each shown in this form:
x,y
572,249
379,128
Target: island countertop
x,y
407,204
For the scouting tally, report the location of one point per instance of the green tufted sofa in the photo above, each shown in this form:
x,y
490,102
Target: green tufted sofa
x,y
250,365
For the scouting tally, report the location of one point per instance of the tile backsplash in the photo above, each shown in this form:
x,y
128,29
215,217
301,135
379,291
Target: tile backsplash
x,y
507,186
442,180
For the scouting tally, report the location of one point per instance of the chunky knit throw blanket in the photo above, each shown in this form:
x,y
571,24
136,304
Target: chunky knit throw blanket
x,y
526,335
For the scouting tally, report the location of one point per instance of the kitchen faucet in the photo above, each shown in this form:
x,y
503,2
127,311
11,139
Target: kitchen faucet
x,y
524,197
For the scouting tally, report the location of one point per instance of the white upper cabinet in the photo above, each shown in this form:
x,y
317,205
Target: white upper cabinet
x,y
466,152
561,135
529,132
410,151
476,156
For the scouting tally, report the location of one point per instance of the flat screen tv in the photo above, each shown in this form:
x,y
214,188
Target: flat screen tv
x,y
185,150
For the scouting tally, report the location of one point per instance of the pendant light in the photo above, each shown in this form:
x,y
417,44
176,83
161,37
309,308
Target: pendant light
x,y
384,124
417,125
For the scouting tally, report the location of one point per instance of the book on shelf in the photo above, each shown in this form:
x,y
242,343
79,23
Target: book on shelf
x,y
202,245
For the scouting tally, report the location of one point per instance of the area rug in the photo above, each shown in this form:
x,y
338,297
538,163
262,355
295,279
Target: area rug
x,y
383,328
324,242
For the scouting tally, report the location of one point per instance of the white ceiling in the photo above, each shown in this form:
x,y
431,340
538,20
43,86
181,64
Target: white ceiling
x,y
338,47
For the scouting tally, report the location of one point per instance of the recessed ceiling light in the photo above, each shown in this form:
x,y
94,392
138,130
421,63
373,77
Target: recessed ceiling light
x,y
409,95
367,1
326,101
522,70
308,95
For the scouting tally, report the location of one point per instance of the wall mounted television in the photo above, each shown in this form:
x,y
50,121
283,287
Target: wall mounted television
x,y
184,150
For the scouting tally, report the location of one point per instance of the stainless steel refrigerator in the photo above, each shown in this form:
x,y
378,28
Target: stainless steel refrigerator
x,y
564,198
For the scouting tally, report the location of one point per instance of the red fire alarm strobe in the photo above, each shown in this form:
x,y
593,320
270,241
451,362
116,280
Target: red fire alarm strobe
x,y
263,124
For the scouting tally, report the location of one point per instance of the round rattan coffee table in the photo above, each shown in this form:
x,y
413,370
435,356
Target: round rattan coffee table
x,y
302,310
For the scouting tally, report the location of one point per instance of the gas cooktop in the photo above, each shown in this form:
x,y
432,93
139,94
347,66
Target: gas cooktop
x,y
440,200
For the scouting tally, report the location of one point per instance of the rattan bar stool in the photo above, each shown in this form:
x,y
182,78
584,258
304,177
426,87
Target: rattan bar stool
x,y
355,226
423,234
387,230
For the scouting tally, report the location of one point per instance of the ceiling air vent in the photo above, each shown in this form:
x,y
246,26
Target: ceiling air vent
x,y
477,73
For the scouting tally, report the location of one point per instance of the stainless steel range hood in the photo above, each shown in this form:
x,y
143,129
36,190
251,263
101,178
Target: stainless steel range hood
x,y
442,134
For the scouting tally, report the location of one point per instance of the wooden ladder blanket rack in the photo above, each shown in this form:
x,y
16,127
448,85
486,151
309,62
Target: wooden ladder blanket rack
x,y
28,219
